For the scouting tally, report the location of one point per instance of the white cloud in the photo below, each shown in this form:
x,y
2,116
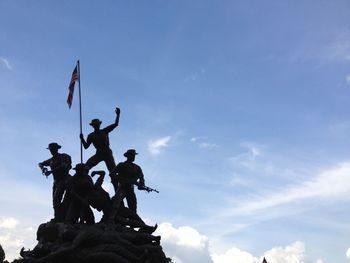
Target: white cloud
x,y
182,236
184,244
294,253
348,253
290,254
155,146
8,222
11,245
235,254
6,63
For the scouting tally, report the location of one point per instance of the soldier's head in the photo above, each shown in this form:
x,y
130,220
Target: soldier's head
x,y
130,155
53,147
81,169
95,123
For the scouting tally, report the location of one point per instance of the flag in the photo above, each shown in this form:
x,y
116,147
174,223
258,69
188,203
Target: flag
x,y
264,261
75,77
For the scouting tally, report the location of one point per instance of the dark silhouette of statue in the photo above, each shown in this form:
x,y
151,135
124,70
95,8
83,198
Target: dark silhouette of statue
x,y
99,138
94,244
2,254
72,235
60,164
99,199
126,175
79,187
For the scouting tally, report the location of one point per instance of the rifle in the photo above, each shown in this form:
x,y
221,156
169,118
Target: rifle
x,y
146,188
133,180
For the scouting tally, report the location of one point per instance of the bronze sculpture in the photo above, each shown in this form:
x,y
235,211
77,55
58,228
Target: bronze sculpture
x,y
60,164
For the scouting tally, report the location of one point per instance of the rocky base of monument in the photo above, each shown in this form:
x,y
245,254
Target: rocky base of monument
x,y
98,243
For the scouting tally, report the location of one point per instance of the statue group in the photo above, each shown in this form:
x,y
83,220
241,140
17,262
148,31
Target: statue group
x,y
73,235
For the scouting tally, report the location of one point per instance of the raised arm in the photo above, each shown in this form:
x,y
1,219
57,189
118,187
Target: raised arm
x,y
100,179
116,122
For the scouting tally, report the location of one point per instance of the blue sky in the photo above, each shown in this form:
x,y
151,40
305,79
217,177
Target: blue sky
x,y
239,110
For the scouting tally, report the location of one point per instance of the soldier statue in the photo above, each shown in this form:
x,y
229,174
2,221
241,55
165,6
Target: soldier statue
x,y
79,187
60,164
125,176
99,138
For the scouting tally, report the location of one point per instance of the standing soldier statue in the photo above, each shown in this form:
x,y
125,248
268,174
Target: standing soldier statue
x,y
99,138
60,164
125,176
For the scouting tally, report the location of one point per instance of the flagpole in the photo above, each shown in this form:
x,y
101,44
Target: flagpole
x,y
80,114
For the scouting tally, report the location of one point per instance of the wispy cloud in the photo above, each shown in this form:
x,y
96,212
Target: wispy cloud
x,y
198,138
202,142
248,158
6,63
335,50
332,184
195,76
254,148
156,146
208,145
347,78
339,49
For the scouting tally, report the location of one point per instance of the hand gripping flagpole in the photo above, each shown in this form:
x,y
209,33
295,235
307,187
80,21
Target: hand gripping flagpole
x,y
80,114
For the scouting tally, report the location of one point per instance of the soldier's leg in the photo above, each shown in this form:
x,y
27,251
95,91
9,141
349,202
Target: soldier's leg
x,y
54,187
131,199
110,163
93,161
116,202
109,160
60,187
72,215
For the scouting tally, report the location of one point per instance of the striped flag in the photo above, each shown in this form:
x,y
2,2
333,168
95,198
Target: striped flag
x,y
75,77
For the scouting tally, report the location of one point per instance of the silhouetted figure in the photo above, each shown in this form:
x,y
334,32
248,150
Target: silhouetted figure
x,y
99,197
60,164
99,138
2,254
125,175
79,187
